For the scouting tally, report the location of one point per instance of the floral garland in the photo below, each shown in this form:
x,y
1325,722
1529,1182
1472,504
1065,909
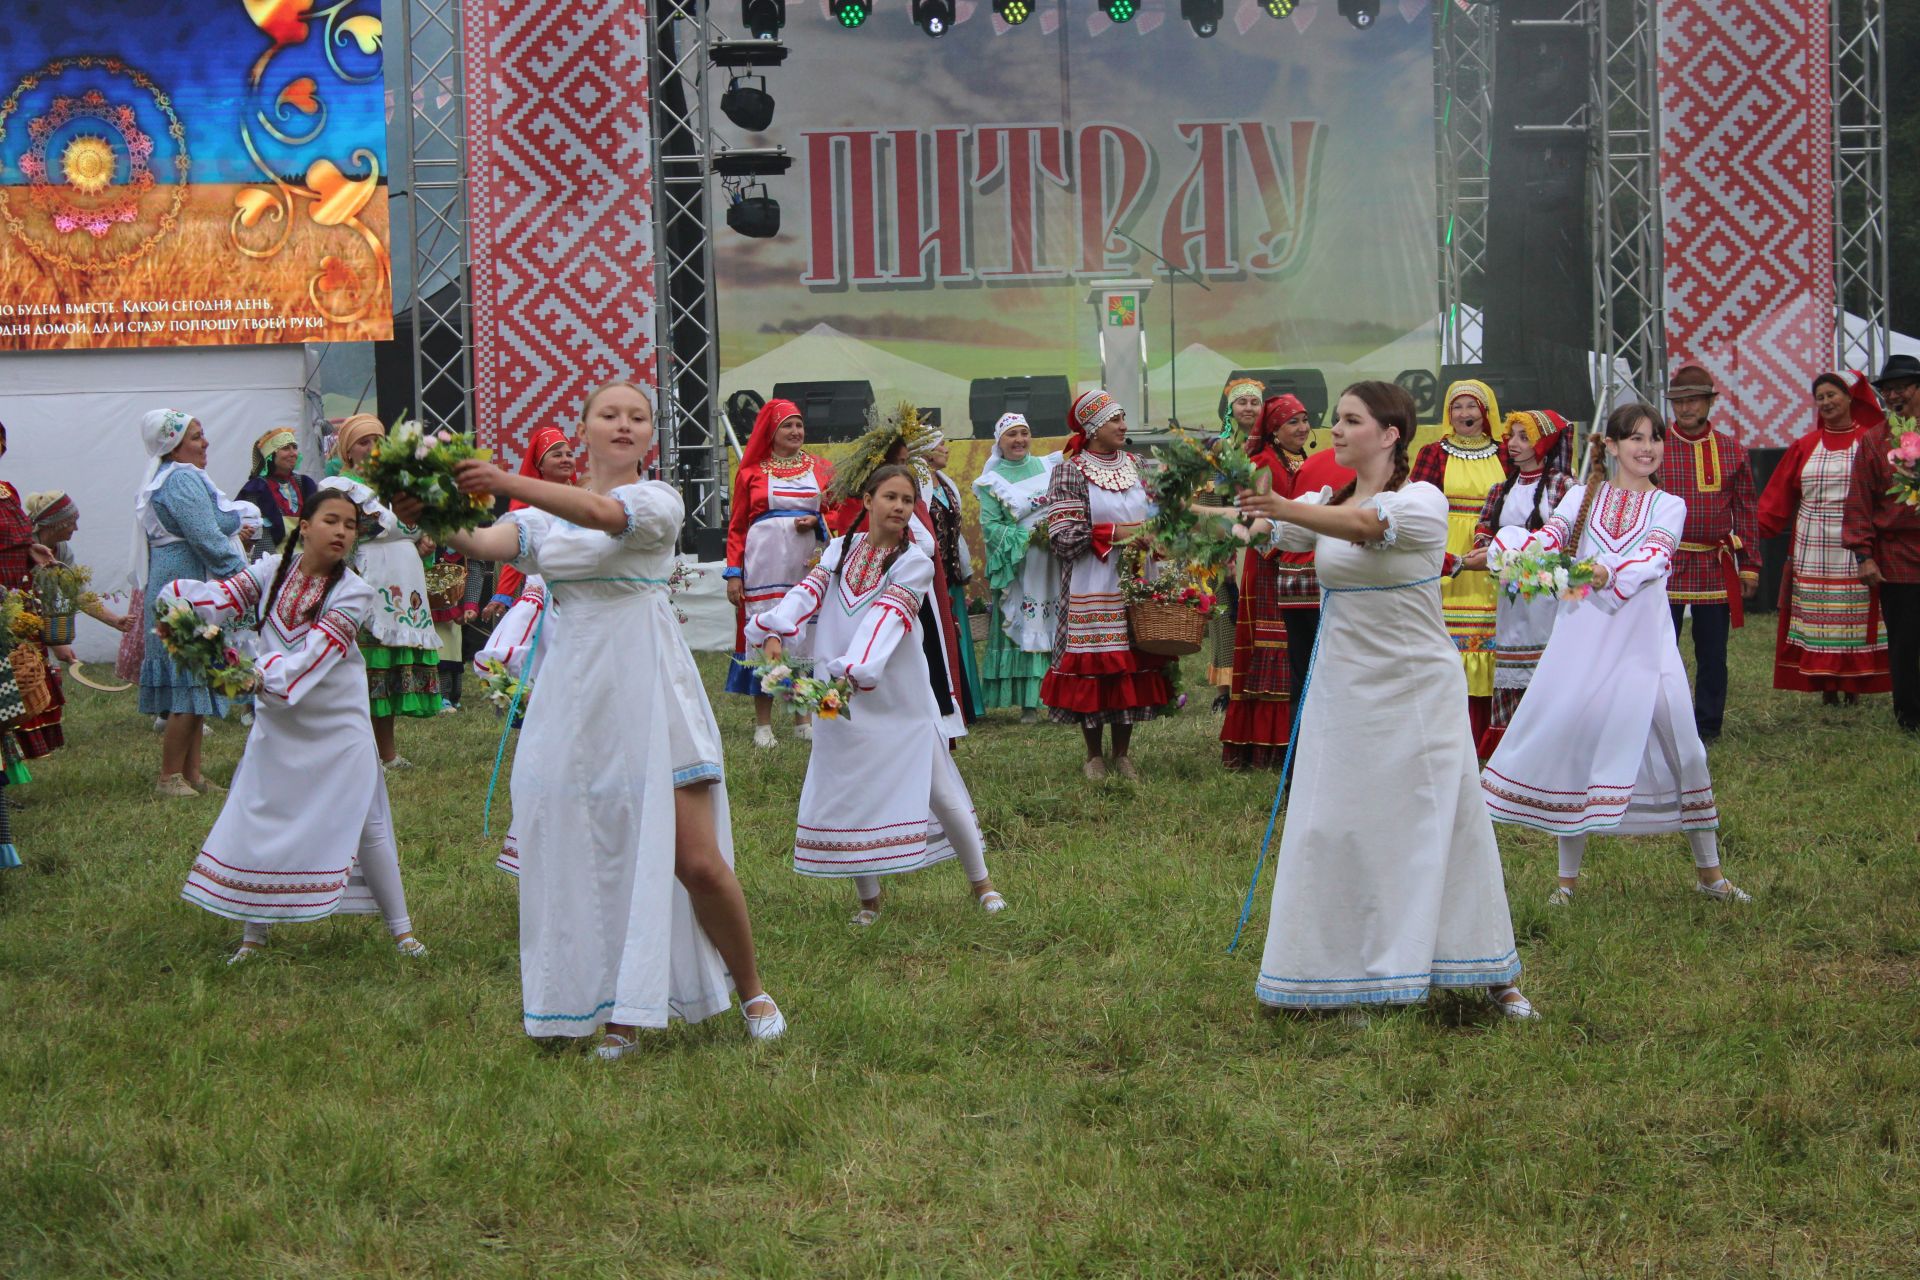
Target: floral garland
x,y
1542,575
827,699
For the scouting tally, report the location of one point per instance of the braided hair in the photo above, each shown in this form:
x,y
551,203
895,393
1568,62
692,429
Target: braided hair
x,y
879,476
308,510
1621,424
1389,404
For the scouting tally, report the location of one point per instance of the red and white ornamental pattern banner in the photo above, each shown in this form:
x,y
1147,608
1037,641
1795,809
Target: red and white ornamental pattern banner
x,y
560,158
1747,192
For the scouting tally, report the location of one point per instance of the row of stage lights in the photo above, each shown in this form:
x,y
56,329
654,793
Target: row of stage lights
x,y
935,16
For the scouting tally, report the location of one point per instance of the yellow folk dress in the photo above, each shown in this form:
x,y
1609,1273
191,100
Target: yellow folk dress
x,y
1469,599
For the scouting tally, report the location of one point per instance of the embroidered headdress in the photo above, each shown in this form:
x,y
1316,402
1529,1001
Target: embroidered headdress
x,y
161,430
1091,411
1008,421
269,444
1478,390
44,510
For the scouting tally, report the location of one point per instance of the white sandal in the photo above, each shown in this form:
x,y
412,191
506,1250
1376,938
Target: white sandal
x,y
1723,890
1518,1007
613,1046
410,947
764,1026
246,950
991,902
1560,897
864,917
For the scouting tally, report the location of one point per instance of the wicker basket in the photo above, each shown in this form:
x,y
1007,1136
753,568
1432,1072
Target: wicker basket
x,y
1170,630
59,629
446,584
30,670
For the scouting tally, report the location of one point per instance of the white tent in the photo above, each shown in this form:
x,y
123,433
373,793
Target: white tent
x,y
823,353
73,423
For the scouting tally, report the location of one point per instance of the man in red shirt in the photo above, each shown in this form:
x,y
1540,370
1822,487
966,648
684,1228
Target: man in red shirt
x,y
1714,569
1884,535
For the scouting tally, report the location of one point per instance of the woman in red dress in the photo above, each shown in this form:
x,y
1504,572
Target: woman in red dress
x,y
1830,640
1272,585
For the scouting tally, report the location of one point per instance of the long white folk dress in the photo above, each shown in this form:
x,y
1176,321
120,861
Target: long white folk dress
x,y
864,808
1388,880
618,721
309,784
1605,739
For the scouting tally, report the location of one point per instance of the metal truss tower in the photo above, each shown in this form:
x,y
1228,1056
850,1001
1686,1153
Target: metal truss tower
x,y
1463,135
1629,290
1860,282
692,438
434,129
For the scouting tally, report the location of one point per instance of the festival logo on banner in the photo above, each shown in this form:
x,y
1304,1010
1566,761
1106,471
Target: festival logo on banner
x,y
954,203
199,172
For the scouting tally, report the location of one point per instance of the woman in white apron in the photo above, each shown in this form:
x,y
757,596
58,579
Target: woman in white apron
x,y
1024,576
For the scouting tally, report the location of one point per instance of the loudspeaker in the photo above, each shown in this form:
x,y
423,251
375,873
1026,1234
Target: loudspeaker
x,y
1042,401
1308,384
833,411
1538,305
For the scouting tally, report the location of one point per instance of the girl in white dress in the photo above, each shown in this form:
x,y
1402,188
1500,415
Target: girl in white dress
x,y
1388,881
882,795
1605,740
630,914
308,805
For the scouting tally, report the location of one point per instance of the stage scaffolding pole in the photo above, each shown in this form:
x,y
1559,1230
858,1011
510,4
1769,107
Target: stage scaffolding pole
x,y
433,126
692,444
1623,115
1860,268
1463,135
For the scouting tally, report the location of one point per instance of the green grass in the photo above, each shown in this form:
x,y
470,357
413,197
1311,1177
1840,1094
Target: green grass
x,y
1081,1087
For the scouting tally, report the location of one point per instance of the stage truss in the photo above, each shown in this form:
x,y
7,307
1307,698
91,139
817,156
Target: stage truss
x,y
1463,130
434,137
1629,265
1860,211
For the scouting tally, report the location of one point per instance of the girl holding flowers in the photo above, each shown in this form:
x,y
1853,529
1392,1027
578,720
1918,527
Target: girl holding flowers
x,y
401,648
289,852
863,600
1605,740
630,914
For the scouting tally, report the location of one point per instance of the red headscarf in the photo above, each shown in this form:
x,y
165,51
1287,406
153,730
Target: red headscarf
x,y
1273,416
545,441
1865,409
760,443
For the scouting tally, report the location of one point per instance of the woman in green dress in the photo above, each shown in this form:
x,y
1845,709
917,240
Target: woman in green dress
x,y
1022,572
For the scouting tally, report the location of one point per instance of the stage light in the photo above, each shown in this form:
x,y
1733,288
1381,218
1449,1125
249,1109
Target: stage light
x,y
751,162
1203,16
1277,8
933,16
748,104
752,212
763,18
1361,13
848,13
1013,12
1120,10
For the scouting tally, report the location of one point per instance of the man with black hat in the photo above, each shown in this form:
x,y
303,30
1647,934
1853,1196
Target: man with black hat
x,y
1884,535
1714,570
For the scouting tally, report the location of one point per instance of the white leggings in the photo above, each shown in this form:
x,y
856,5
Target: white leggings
x,y
952,808
380,865
1705,846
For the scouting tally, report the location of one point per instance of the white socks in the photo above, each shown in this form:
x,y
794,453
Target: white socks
x,y
1572,850
1705,846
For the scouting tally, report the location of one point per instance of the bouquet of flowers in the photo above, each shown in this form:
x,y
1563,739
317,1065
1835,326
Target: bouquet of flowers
x,y
200,648
1538,575
413,461
1905,458
64,588
503,686
19,621
828,699
1194,486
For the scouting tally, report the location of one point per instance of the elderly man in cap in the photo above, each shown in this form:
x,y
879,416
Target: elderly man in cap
x,y
1884,535
1714,570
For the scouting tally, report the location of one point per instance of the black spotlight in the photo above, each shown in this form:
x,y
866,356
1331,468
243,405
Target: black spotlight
x,y
849,13
1361,13
763,18
1203,16
1120,10
747,103
1013,12
752,212
1277,8
933,16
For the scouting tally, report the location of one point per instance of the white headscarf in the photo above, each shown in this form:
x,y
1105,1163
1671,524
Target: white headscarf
x,y
161,431
1008,421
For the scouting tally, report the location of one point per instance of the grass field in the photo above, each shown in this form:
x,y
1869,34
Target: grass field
x,y
1080,1087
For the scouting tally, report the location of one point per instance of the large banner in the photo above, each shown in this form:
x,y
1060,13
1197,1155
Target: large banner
x,y
954,201
192,172
1746,190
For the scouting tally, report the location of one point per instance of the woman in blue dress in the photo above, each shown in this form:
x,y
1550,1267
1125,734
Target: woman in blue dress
x,y
180,516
